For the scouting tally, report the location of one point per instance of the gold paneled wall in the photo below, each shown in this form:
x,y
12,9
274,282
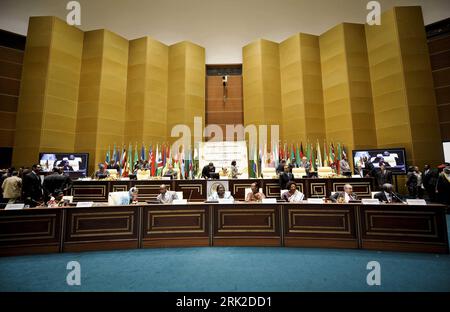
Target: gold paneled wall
x,y
363,86
146,117
47,108
186,88
360,92
261,83
375,82
403,98
85,91
301,89
101,111
346,87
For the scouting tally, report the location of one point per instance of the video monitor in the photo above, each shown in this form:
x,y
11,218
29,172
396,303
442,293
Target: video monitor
x,y
73,164
394,159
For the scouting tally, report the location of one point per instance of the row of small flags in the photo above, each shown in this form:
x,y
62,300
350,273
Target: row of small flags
x,y
293,154
157,159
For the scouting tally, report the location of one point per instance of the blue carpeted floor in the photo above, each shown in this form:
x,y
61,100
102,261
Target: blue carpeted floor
x,y
227,269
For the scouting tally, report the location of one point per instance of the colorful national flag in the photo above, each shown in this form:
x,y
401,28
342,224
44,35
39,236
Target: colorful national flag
x,y
108,157
319,155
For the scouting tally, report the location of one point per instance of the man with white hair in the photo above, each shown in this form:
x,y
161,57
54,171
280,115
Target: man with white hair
x,y
347,195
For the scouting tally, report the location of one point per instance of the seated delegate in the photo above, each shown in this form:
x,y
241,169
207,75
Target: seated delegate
x,y
220,194
254,195
293,195
165,196
346,196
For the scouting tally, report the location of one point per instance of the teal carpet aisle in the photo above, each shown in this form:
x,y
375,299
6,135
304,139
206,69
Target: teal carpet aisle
x,y
227,269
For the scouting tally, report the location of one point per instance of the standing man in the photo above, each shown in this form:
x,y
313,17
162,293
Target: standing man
x,y
345,167
208,170
12,188
430,177
32,187
55,183
383,176
285,177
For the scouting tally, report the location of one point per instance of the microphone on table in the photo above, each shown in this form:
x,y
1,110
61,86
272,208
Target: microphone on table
x,y
190,194
396,196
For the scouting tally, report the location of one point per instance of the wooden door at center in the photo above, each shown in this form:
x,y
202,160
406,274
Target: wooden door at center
x,y
222,111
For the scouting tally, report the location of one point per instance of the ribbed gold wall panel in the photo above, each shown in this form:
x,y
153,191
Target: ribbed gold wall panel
x,y
403,97
147,88
301,89
346,87
186,87
261,83
101,111
48,99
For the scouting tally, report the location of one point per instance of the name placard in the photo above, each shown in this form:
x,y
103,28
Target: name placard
x,y
14,206
315,201
179,202
85,204
226,201
416,202
370,201
269,201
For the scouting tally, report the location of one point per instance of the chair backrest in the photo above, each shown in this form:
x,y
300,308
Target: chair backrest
x,y
179,195
298,172
269,173
113,173
324,171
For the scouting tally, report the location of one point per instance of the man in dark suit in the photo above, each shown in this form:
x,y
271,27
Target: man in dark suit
x,y
387,194
280,168
369,168
285,177
383,176
31,187
208,170
430,178
56,182
346,196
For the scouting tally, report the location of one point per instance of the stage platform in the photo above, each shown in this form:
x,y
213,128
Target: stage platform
x,y
393,227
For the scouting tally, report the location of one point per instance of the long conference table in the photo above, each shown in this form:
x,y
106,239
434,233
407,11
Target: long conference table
x,y
196,190
393,227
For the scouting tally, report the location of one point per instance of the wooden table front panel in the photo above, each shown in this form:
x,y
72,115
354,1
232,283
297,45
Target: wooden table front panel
x,y
315,225
101,228
30,231
246,225
175,225
404,228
